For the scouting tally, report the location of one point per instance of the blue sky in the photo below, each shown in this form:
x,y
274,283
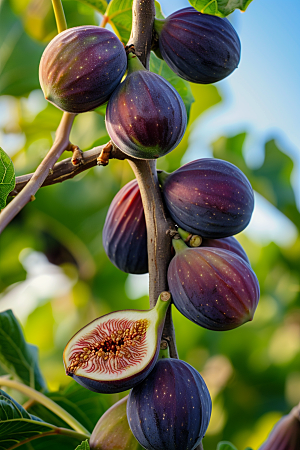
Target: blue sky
x,y
262,96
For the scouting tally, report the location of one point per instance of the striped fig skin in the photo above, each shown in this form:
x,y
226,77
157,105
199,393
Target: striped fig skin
x,y
124,232
209,197
81,67
145,117
171,408
286,433
229,243
200,48
213,288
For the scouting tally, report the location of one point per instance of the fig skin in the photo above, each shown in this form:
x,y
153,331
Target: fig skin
x,y
81,67
145,116
209,197
124,232
212,287
229,243
286,433
171,408
118,350
200,48
112,430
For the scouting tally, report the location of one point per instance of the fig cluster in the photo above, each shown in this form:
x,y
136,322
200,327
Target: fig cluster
x,y
210,280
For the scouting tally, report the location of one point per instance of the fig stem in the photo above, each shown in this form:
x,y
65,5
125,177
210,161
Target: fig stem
x,y
47,402
162,177
179,245
134,64
60,18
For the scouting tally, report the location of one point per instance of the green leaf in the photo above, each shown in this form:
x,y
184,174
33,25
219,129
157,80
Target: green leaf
x,y
19,56
99,5
119,13
225,445
83,446
16,424
7,177
158,11
219,7
86,406
182,87
18,358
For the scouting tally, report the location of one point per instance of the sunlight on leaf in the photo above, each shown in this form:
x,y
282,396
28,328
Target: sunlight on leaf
x,y
83,446
219,7
18,358
7,177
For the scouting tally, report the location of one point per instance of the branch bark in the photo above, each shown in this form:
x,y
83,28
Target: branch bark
x,y
61,143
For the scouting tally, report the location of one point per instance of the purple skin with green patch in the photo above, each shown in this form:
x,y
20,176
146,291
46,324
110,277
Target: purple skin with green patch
x,y
200,48
171,408
81,67
209,197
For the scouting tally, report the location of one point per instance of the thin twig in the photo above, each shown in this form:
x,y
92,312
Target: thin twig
x,y
61,144
59,15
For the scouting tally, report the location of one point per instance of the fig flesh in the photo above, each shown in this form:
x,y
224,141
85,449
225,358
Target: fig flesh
x,y
171,408
81,67
124,232
116,351
112,431
145,117
212,287
209,197
200,48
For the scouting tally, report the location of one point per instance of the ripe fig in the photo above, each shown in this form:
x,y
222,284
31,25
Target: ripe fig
x,y
171,408
145,116
286,433
81,67
200,48
209,197
112,431
212,287
229,243
116,351
124,232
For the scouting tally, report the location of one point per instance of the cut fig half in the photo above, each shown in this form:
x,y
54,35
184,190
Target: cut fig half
x,y
117,351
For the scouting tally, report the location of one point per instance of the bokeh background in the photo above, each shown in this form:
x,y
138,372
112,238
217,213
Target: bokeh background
x,y
54,274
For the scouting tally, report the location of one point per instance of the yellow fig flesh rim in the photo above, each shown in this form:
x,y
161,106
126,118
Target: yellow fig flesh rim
x,y
115,346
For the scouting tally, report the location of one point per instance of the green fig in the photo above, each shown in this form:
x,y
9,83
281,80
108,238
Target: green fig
x,y
112,430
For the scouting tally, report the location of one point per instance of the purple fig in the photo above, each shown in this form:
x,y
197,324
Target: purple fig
x,y
124,232
145,116
286,433
200,48
81,67
171,408
229,243
212,287
116,351
112,431
209,197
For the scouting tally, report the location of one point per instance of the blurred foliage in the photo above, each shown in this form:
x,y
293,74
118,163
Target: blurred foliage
x,y
55,276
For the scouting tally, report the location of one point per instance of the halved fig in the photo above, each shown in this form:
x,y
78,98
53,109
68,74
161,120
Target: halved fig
x,y
116,351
